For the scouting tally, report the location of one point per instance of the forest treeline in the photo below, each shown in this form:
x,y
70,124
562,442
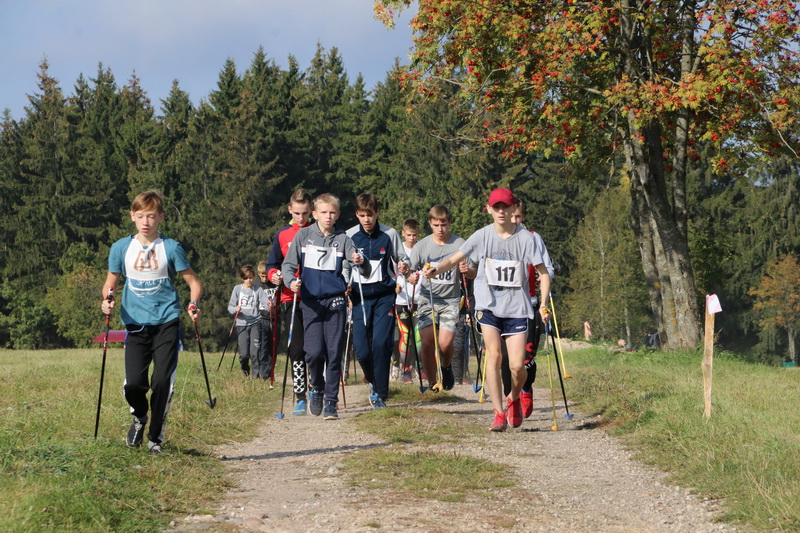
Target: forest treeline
x,y
71,165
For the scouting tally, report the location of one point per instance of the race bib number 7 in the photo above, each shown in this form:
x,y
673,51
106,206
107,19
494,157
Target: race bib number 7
x,y
503,273
319,258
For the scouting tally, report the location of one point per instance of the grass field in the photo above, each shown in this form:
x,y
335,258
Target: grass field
x,y
56,477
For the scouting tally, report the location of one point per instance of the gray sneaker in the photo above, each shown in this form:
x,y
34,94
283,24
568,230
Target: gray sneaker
x,y
136,432
153,448
330,413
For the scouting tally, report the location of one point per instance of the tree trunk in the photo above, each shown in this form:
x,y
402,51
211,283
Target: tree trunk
x,y
669,252
792,349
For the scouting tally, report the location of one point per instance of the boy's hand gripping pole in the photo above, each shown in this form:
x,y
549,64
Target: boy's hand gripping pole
x,y
109,299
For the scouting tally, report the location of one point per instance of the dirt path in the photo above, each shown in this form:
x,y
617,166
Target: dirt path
x,y
577,479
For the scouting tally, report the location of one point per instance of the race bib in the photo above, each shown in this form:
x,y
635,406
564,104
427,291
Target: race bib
x,y
374,277
503,273
443,278
319,258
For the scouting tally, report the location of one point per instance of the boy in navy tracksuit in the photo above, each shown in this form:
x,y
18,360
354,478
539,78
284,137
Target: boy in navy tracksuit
x,y
373,337
322,255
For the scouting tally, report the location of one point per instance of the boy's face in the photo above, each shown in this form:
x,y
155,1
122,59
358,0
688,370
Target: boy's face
x,y
410,237
501,213
263,277
147,222
248,282
300,213
326,215
440,227
368,219
517,217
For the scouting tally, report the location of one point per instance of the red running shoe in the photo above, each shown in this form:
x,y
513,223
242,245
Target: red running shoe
x,y
526,400
514,412
499,423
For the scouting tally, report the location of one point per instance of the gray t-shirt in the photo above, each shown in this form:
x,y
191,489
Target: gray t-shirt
x,y
502,283
446,285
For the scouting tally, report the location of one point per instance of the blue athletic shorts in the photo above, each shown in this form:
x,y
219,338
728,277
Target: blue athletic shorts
x,y
506,326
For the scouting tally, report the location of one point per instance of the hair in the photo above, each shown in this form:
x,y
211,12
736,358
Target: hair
x,y
411,224
367,201
440,212
151,200
262,267
247,272
519,205
300,196
326,198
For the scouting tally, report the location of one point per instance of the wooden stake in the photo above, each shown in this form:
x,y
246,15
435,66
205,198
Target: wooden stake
x,y
708,361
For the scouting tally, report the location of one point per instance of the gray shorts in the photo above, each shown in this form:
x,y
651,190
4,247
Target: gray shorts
x,y
446,314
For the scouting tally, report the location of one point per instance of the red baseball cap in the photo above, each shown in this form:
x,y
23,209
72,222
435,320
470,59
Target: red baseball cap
x,y
504,196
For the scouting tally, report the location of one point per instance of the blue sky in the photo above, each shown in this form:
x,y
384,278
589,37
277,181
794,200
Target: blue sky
x,y
188,40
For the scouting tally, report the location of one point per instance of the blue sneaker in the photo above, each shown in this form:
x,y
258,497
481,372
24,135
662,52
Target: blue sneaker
x,y
300,408
373,398
330,411
378,403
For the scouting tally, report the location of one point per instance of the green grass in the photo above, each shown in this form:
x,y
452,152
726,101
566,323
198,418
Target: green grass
x,y
57,477
748,452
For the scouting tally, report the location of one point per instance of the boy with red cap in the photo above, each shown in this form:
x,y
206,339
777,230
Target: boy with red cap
x,y
504,251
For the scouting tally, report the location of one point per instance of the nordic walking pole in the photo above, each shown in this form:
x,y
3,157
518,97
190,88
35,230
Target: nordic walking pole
x,y
230,334
109,299
416,339
474,342
361,292
279,416
437,387
549,330
346,361
554,427
560,351
211,402
481,398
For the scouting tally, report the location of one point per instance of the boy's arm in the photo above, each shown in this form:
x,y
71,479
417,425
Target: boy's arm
x,y
445,264
544,291
274,260
195,292
233,303
111,283
291,262
399,253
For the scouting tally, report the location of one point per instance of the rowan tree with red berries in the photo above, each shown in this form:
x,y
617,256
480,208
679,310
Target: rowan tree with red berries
x,y
647,80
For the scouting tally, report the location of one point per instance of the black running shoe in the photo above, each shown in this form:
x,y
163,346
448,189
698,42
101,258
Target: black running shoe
x,y
316,402
448,379
330,411
136,432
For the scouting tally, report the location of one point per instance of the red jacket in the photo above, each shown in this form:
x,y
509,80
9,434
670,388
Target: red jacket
x,y
280,246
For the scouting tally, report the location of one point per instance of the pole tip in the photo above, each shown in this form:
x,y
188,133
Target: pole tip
x,y
569,416
279,416
212,402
